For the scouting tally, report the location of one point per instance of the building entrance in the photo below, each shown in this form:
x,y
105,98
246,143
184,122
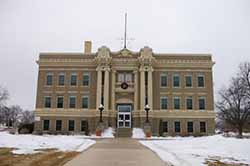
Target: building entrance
x,y
124,116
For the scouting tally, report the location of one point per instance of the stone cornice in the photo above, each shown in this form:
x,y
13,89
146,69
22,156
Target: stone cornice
x,y
146,58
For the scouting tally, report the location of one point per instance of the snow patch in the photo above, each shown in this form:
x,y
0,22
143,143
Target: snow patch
x,y
185,151
138,133
107,133
27,144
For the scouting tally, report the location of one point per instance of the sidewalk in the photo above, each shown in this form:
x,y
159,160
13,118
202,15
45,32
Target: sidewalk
x,y
117,152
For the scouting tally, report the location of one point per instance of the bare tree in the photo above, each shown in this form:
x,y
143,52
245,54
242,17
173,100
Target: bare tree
x,y
234,103
5,113
244,75
4,96
2,116
27,117
15,112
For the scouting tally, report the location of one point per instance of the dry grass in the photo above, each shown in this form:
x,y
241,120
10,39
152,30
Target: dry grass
x,y
215,161
49,157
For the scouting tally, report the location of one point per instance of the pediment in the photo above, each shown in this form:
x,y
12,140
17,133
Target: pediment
x,y
125,53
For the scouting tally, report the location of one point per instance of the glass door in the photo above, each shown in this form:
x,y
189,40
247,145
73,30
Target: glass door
x,y
124,116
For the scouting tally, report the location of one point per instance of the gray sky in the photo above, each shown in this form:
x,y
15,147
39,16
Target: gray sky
x,y
27,27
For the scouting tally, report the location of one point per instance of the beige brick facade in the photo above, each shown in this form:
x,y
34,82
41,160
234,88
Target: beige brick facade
x,y
141,73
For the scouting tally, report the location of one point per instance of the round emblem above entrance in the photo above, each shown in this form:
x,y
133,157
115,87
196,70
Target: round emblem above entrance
x,y
124,85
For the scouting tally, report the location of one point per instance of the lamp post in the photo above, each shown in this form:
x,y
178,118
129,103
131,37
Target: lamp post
x,y
101,108
147,108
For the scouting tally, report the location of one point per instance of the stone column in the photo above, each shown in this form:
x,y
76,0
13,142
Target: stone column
x,y
99,87
113,90
150,87
142,90
135,90
106,89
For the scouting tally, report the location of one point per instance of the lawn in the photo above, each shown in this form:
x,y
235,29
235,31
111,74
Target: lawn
x,y
28,144
49,150
207,150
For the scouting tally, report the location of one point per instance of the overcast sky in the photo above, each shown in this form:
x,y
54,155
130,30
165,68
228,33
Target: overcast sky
x,y
27,27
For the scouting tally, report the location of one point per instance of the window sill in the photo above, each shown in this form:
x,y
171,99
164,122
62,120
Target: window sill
x,y
176,87
164,87
129,83
188,87
85,86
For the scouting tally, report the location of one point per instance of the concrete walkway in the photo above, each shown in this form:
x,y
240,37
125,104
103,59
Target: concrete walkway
x,y
117,152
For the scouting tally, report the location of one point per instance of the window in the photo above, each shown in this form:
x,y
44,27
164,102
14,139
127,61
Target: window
x,y
200,81
164,103
202,103
45,124
203,127
177,127
47,103
85,79
189,103
60,102
128,77
124,77
84,125
72,102
164,80
61,80
177,103
120,77
188,80
165,127
73,79
85,102
176,81
190,127
49,79
58,125
71,125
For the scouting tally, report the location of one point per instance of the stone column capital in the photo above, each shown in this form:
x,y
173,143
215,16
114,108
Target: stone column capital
x,y
142,68
98,68
150,68
102,68
135,71
107,68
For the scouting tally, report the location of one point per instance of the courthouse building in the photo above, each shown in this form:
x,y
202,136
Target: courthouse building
x,y
178,88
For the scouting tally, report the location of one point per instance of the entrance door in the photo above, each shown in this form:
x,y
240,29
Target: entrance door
x,y
124,116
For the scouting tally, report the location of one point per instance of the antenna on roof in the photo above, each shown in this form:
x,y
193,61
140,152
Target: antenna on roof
x,y
125,32
125,41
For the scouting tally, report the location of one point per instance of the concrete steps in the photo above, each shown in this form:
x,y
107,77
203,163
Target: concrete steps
x,y
124,132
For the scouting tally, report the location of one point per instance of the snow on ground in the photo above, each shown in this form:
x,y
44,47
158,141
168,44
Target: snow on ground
x,y
26,144
3,128
234,134
138,133
187,151
107,133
